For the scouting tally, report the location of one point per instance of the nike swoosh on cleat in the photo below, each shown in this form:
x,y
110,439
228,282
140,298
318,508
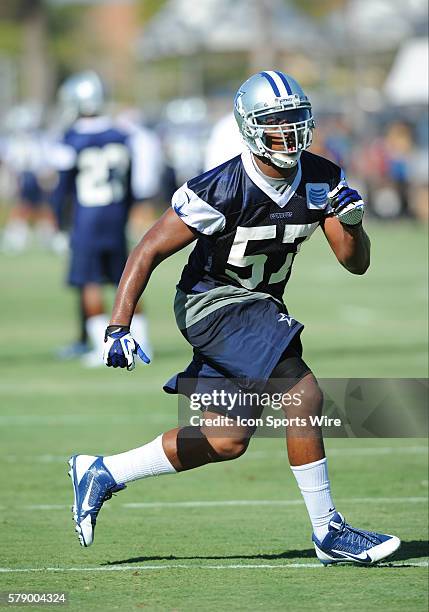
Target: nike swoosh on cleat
x,y
361,557
85,506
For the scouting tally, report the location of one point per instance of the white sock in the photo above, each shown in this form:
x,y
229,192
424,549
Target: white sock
x,y
313,481
139,331
16,236
142,462
96,326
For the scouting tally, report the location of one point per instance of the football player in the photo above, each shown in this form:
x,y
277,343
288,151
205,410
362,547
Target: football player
x,y
249,218
24,155
102,167
224,142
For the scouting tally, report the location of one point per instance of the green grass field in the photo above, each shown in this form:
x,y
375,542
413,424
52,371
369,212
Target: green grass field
x,y
174,543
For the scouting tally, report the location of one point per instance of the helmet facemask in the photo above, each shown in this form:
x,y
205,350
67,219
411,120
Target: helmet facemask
x,y
280,134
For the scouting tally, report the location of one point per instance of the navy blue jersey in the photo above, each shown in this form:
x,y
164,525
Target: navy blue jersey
x,y
248,232
95,162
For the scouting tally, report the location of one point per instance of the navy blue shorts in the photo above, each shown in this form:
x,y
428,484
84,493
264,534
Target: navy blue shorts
x,y
29,189
238,346
96,266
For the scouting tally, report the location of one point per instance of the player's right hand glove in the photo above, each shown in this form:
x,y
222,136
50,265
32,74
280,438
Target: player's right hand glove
x,y
347,204
120,348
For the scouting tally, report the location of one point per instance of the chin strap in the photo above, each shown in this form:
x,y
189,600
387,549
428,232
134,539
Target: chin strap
x,y
287,162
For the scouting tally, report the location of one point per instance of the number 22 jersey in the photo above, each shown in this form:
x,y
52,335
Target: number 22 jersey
x,y
102,167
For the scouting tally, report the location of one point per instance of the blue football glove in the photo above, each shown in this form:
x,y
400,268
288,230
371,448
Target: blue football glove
x,y
120,348
347,204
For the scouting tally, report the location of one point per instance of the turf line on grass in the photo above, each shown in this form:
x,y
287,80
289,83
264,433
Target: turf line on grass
x,y
231,502
170,566
77,420
370,451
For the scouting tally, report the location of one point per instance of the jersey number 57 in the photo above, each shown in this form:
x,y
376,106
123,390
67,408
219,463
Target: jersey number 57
x,y
237,258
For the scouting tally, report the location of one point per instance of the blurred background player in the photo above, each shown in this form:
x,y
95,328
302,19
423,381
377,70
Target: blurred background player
x,y
224,142
102,168
149,155
24,157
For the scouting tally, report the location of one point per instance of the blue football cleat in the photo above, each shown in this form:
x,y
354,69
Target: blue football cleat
x,y
344,543
93,484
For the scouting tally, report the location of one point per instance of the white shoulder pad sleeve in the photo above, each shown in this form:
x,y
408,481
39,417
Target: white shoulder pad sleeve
x,y
197,213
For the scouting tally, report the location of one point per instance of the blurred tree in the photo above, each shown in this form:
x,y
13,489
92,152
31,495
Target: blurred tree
x,y
30,29
148,8
263,52
316,8
41,37
37,70
17,9
64,26
10,37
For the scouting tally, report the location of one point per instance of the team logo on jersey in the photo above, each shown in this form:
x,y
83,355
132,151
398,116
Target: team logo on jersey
x,y
178,206
284,317
317,195
179,211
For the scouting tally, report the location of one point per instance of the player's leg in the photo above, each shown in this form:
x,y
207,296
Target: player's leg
x,y
80,346
190,447
114,262
16,233
96,321
140,330
180,449
334,540
83,332
44,224
305,443
307,454
86,273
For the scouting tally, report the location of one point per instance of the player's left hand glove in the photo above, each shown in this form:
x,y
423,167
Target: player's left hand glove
x,y
347,204
120,348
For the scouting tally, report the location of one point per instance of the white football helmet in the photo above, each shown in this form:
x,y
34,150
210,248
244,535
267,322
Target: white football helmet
x,y
271,106
82,94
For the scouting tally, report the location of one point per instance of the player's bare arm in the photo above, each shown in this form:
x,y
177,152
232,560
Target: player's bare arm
x,y
167,236
350,243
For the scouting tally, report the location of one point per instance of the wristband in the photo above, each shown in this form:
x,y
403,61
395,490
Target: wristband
x,y
112,329
351,225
